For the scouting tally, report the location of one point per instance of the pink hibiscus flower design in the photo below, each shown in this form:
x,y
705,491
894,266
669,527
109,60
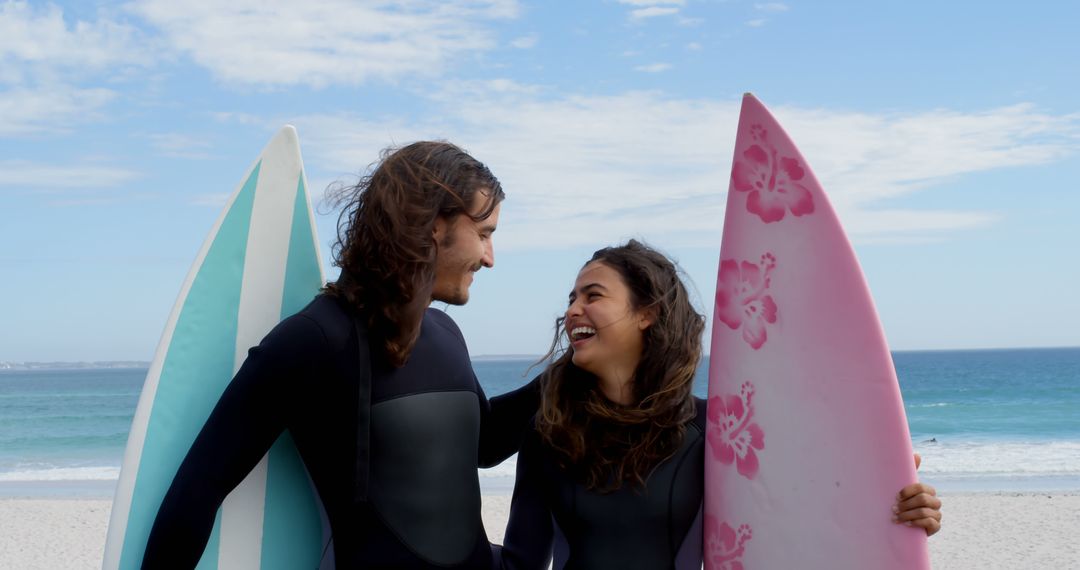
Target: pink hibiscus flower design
x,y
724,546
732,435
773,181
742,299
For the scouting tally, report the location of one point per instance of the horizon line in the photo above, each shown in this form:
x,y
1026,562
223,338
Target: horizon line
x,y
42,364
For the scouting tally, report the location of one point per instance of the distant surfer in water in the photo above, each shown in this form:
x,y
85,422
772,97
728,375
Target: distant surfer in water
x,y
376,389
612,475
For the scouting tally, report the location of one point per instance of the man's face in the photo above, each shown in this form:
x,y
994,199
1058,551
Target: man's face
x,y
464,247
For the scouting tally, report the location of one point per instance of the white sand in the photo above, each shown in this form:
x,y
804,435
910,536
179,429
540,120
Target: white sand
x,y
981,530
1008,530
53,533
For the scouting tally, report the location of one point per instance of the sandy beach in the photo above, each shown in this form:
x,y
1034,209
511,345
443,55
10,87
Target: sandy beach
x,y
982,530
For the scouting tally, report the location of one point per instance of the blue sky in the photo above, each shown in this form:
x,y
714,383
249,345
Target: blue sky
x,y
947,136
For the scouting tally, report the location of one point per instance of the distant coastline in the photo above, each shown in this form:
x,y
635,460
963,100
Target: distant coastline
x,y
503,357
133,364
997,349
104,364
23,366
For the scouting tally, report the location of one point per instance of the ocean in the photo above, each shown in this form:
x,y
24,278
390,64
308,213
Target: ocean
x,y
982,420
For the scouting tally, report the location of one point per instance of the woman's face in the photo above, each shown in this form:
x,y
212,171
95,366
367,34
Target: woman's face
x,y
605,331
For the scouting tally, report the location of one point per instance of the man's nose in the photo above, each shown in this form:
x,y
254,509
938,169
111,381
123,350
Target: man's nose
x,y
488,260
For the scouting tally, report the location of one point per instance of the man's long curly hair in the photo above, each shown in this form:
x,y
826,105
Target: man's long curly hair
x,y
385,246
607,445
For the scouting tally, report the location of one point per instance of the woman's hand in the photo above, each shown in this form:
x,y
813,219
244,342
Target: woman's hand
x,y
918,505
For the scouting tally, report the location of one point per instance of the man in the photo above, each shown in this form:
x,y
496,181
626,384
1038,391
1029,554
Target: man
x,y
376,389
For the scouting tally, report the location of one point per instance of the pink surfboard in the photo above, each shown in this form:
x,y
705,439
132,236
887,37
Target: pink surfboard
x,y
807,441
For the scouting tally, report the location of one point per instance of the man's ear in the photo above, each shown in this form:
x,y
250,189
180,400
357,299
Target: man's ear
x,y
439,228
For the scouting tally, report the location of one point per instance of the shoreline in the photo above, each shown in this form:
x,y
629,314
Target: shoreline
x,y
499,483
87,489
982,529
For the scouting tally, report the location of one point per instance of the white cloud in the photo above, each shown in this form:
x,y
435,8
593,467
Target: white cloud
x,y
894,154
61,177
768,8
44,58
693,46
653,68
49,109
581,170
653,12
908,226
40,36
772,7
525,42
241,118
214,200
647,3
177,145
653,8
280,42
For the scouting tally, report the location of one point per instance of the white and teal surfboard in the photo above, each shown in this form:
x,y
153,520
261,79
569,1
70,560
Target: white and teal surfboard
x,y
259,264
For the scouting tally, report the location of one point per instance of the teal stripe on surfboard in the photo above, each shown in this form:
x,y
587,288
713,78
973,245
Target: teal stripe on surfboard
x,y
203,346
292,526
209,560
303,276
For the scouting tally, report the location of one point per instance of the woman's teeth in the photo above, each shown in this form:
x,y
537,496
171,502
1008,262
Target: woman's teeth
x,y
579,333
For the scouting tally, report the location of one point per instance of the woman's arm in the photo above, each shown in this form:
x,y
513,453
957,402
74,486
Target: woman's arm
x,y
529,533
505,421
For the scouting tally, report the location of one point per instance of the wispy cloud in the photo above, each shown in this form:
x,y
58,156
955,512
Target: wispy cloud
x,y
49,108
590,169
653,12
214,200
766,8
653,68
644,9
281,43
177,145
772,7
525,42
60,177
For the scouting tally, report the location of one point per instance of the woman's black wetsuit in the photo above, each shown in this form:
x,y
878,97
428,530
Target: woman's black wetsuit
x,y
631,528
426,419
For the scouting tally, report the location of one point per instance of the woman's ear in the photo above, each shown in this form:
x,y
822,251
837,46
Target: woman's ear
x,y
646,318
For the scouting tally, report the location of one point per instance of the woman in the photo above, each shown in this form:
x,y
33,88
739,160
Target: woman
x,y
613,475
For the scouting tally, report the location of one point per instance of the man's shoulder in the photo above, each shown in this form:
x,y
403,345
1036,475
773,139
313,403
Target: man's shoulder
x,y
442,320
323,316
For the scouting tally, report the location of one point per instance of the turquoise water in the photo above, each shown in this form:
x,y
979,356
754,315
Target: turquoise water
x,y
57,424
997,419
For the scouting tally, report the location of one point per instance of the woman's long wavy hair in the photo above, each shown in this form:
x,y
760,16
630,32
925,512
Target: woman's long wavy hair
x,y
385,247
607,445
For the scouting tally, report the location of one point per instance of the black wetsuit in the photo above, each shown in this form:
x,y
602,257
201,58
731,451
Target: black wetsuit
x,y
426,419
657,527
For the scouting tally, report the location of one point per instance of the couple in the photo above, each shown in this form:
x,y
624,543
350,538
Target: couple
x,y
379,395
